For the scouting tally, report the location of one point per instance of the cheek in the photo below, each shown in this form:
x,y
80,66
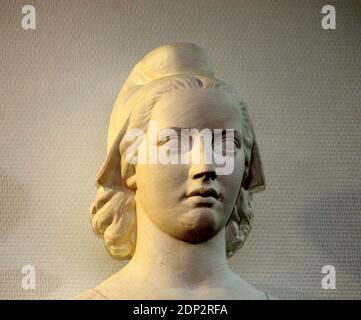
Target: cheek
x,y
232,182
160,182
231,186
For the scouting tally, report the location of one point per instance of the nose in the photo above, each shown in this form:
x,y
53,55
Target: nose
x,y
203,166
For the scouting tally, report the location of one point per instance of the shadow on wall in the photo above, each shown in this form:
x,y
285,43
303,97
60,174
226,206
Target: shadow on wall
x,y
14,203
14,212
333,225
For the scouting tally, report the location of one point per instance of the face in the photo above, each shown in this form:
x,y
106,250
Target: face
x,y
190,201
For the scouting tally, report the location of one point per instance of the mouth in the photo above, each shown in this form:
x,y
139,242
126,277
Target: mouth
x,y
202,194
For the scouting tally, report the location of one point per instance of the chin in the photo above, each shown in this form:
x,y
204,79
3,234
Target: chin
x,y
199,225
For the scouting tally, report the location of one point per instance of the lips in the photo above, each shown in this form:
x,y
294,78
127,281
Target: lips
x,y
204,192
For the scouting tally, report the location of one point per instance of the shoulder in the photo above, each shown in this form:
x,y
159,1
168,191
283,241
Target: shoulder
x,y
92,294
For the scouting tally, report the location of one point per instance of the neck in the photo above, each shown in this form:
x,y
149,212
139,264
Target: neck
x,y
177,263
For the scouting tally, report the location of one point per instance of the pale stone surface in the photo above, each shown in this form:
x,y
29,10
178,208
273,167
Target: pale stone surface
x,y
176,222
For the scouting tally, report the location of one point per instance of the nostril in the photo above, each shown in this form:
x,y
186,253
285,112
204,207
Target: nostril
x,y
198,175
206,175
212,175
200,83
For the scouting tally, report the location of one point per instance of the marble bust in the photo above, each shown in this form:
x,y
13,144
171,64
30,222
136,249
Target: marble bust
x,y
177,218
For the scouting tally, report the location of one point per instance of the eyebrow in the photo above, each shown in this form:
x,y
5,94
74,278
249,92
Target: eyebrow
x,y
179,129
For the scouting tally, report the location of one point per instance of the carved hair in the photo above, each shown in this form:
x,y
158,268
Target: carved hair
x,y
113,212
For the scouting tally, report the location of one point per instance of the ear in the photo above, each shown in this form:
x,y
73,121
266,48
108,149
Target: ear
x,y
254,180
131,182
111,174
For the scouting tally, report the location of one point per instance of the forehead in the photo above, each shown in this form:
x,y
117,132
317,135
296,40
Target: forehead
x,y
197,108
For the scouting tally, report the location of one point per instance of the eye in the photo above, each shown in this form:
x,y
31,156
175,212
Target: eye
x,y
163,140
226,145
178,143
171,143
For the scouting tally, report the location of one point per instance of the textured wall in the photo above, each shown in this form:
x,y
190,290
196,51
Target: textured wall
x,y
301,83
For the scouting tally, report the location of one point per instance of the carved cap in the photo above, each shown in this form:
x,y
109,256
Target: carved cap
x,y
167,60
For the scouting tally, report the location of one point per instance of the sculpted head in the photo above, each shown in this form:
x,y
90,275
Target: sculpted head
x,y
169,93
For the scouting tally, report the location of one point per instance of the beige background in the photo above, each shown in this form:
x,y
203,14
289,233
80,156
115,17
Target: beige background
x,y
302,85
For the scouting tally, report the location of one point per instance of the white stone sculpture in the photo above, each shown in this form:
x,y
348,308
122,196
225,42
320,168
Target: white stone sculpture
x,y
178,221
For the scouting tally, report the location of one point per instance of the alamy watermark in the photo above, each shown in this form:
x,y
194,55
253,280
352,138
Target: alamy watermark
x,y
28,280
329,19
329,280
216,147
28,21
